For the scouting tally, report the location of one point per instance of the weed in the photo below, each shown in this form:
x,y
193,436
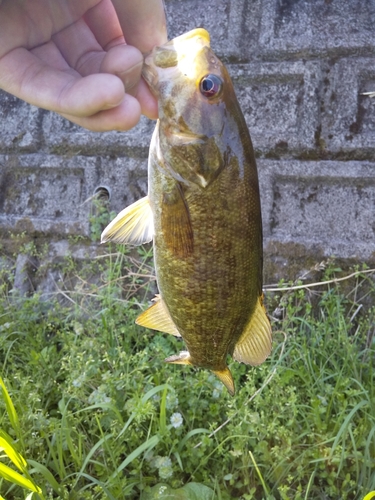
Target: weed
x,y
101,416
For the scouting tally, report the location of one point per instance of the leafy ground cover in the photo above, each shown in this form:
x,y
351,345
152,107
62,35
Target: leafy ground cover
x,y
101,416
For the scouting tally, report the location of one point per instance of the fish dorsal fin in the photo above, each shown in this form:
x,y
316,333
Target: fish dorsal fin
x,y
133,225
176,223
226,378
255,343
157,317
180,359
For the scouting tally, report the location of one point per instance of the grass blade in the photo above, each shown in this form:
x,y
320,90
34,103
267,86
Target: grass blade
x,y
163,412
345,424
41,469
89,455
16,478
98,483
145,398
13,417
7,445
259,474
191,434
147,445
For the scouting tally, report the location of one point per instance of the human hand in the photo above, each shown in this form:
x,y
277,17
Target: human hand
x,y
70,56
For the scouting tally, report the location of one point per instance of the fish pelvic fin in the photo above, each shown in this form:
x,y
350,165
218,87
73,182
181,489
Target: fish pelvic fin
x,y
226,378
255,344
134,225
180,359
157,317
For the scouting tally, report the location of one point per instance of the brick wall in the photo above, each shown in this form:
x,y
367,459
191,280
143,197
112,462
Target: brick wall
x,y
299,67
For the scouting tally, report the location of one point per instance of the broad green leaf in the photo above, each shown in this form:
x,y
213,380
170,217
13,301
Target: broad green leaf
x,y
191,491
16,478
13,417
198,491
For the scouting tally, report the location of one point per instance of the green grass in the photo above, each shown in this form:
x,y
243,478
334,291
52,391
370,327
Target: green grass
x,y
99,415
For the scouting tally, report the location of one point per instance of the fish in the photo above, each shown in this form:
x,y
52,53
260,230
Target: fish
x,y
202,212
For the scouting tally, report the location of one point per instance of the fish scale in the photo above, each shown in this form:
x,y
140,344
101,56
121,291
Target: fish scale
x,y
211,287
202,212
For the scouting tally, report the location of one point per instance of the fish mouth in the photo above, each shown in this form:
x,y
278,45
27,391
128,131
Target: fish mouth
x,y
189,37
177,53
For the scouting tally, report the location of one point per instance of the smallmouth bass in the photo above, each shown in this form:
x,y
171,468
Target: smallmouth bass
x,y
202,212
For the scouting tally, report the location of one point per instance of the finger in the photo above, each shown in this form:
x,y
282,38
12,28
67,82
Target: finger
x,y
27,77
30,24
125,62
82,52
103,22
122,117
80,48
143,22
149,105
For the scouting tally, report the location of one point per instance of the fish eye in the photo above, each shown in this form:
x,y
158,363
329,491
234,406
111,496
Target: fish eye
x,y
211,85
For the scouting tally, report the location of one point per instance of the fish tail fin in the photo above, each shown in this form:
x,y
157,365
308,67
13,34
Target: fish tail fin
x,y
133,225
226,378
255,344
180,359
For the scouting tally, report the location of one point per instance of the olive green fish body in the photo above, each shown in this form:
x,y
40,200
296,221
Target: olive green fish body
x,y
202,211
210,288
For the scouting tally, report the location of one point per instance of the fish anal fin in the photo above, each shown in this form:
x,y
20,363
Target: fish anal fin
x,y
180,359
133,225
255,344
176,223
226,378
157,317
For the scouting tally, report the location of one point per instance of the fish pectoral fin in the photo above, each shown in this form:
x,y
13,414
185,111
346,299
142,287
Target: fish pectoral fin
x,y
157,317
180,359
176,223
255,343
226,378
133,225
